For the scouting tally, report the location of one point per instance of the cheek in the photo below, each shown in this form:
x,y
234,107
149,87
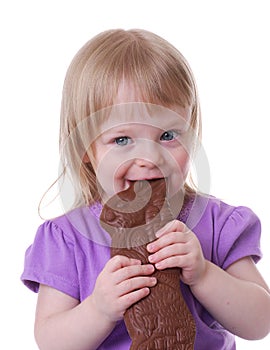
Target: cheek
x,y
105,174
182,160
103,166
111,172
180,170
185,164
122,169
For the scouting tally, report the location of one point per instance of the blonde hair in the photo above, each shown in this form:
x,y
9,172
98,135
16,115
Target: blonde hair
x,y
156,68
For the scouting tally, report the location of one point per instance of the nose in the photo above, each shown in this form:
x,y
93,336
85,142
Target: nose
x,y
144,163
149,155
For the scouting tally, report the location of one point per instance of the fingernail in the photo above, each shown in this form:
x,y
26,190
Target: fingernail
x,y
137,261
150,247
158,233
158,265
151,258
153,280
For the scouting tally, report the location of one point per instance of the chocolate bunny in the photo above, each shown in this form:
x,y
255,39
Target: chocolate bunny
x,y
161,320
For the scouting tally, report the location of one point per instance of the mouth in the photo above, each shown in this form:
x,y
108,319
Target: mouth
x,y
129,183
152,179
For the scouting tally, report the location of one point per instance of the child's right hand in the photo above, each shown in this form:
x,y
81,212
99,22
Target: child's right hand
x,y
121,283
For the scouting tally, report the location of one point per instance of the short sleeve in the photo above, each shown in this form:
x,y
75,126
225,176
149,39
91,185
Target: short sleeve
x,y
50,260
239,237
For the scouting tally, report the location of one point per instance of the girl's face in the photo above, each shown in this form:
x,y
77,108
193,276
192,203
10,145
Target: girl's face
x,y
143,150
141,141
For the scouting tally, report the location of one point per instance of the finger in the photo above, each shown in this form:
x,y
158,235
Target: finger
x,y
185,262
120,261
168,251
133,297
135,283
166,240
172,226
128,272
173,261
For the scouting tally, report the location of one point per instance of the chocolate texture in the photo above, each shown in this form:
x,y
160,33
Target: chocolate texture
x,y
161,320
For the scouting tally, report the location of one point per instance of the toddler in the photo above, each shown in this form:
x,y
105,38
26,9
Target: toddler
x,y
130,112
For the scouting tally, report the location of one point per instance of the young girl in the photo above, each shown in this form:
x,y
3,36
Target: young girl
x,y
130,112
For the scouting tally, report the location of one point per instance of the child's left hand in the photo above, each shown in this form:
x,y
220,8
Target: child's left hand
x,y
177,246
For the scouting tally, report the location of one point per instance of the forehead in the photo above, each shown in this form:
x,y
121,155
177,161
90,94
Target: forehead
x,y
142,113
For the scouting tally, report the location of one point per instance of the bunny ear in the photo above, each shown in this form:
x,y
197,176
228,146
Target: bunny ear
x,y
132,201
132,217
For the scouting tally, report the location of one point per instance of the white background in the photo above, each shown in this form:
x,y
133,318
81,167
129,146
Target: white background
x,y
227,46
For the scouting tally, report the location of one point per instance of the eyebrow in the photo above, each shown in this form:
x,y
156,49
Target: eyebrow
x,y
123,128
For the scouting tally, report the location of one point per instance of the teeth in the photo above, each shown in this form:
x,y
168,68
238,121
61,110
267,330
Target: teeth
x,y
150,179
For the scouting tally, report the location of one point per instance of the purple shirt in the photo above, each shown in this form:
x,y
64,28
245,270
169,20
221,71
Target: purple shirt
x,y
70,251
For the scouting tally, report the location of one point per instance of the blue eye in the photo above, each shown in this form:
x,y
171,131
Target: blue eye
x,y
122,141
169,135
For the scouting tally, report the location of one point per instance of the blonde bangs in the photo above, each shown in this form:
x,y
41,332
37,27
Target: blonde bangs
x,y
158,71
153,67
